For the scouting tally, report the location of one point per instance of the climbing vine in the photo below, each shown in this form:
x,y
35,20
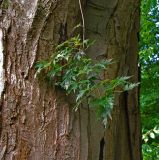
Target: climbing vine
x,y
72,70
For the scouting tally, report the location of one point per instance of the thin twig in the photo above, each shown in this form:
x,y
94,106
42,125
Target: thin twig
x,y
83,21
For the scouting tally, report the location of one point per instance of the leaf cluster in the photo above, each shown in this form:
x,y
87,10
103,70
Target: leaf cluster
x,y
71,69
150,147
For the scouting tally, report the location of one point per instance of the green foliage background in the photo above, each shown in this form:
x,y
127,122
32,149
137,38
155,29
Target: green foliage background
x,y
149,61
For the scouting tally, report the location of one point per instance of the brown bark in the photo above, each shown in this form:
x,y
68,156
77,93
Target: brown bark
x,y
37,121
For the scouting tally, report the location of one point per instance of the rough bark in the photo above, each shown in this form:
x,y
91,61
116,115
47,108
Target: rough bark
x,y
37,121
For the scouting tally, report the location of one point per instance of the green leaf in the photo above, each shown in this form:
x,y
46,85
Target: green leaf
x,y
130,86
152,135
42,64
81,94
71,69
156,130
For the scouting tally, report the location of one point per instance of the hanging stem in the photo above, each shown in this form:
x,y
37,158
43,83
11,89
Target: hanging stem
x,y
83,21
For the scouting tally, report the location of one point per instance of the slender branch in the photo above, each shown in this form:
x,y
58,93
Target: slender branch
x,y
83,21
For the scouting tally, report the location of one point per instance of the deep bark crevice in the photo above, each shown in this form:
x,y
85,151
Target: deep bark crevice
x,y
128,125
102,144
63,33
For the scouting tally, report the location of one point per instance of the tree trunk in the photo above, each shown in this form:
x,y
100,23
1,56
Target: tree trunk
x,y
37,121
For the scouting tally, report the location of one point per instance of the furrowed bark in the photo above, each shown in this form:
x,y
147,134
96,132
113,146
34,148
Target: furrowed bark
x,y
37,121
